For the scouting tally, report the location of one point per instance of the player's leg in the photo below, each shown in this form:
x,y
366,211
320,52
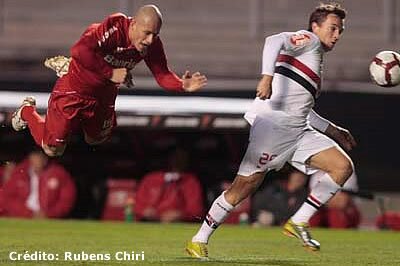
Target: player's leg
x,y
51,132
27,116
336,168
61,120
241,188
316,151
261,155
335,162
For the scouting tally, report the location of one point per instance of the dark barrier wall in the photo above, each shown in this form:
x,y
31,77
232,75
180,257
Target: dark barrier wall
x,y
373,120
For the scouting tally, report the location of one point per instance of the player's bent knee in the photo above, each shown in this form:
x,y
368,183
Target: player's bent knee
x,y
346,168
343,169
53,151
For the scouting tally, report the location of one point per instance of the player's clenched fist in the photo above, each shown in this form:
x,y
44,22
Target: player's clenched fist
x,y
119,75
264,87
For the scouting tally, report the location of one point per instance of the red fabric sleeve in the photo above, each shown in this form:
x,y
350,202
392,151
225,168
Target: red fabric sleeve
x,y
193,198
96,41
148,193
66,194
156,60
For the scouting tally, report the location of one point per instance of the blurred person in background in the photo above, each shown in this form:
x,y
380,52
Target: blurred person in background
x,y
39,188
5,172
284,128
172,195
341,211
84,97
279,200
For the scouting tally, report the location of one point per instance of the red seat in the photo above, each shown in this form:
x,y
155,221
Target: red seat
x,y
389,220
119,192
1,202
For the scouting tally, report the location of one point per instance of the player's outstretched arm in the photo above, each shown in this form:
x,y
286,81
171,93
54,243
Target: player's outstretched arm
x,y
193,82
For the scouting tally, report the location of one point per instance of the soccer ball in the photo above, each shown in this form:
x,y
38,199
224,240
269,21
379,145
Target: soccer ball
x,y
385,69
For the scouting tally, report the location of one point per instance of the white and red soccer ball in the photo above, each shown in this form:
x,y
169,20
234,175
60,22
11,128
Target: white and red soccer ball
x,y
385,69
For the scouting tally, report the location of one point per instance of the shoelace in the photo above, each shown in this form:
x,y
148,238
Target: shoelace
x,y
305,235
204,250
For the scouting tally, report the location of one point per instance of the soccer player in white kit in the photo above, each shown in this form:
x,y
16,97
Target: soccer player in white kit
x,y
283,128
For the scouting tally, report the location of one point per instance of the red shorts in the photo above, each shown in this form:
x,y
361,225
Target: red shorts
x,y
70,111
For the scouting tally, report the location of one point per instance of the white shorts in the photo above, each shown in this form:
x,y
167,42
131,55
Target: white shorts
x,y
272,145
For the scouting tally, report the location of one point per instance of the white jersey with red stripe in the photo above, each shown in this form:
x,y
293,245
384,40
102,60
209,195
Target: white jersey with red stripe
x,y
295,61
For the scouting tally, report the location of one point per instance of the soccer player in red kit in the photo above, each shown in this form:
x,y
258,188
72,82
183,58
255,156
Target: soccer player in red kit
x,y
101,60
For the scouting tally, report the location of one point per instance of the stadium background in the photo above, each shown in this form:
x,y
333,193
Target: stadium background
x,y
224,40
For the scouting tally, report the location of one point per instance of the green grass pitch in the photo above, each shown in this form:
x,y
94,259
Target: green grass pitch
x,y
164,244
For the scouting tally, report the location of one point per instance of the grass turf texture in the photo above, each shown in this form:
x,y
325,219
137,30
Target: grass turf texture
x,y
164,244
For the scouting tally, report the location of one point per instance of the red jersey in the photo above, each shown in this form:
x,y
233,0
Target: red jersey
x,y
105,46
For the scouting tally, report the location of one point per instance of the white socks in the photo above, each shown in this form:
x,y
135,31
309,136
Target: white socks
x,y
324,189
219,210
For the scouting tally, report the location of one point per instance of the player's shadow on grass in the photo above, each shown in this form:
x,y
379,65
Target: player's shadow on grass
x,y
246,261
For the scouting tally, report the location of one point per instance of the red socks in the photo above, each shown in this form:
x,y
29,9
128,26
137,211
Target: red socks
x,y
35,123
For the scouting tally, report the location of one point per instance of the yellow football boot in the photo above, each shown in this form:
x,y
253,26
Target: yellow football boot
x,y
301,232
197,250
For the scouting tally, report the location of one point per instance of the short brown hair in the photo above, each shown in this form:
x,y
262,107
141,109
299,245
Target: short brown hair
x,y
323,10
